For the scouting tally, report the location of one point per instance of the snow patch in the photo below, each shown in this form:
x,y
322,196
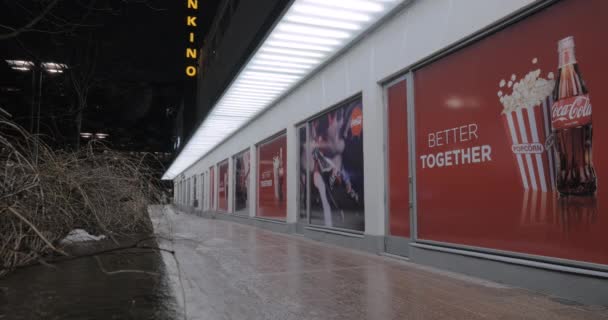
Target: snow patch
x,y
80,235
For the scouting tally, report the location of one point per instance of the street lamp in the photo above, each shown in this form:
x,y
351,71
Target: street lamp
x,y
94,136
26,66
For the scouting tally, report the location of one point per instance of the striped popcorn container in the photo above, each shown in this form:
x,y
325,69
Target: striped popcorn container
x,y
527,120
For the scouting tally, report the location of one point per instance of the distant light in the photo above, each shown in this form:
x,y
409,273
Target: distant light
x,y
20,65
53,67
86,135
101,136
24,65
310,33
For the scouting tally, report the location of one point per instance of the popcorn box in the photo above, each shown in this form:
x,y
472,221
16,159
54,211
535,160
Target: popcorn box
x,y
527,120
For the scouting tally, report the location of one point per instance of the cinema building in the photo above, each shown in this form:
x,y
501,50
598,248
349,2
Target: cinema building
x,y
455,134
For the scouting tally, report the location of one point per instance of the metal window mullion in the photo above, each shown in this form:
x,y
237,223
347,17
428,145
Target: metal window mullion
x,y
411,130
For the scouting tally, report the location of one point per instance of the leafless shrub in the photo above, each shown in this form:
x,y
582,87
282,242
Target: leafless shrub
x,y
45,193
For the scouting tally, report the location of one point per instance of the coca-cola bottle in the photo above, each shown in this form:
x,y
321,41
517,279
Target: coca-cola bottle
x,y
572,128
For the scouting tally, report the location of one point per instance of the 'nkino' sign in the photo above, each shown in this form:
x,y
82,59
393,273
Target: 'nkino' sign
x,y
191,24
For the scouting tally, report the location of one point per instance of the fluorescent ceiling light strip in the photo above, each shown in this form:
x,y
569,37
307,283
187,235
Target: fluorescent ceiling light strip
x,y
249,109
223,123
257,80
313,31
267,80
236,109
221,119
246,113
246,85
280,64
236,96
233,115
240,105
357,5
240,93
322,22
254,89
293,52
296,45
275,69
249,100
271,75
260,91
259,86
305,39
330,13
261,104
253,95
276,57
249,103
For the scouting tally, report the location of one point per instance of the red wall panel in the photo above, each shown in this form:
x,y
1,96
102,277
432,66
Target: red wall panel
x,y
272,187
222,191
398,155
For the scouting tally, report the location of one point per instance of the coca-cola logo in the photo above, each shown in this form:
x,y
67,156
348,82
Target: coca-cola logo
x,y
571,112
356,122
527,148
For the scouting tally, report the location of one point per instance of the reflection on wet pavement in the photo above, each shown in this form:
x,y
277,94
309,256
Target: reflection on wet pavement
x,y
226,270
79,289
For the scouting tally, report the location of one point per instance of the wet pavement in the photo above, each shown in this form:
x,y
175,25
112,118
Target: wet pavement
x,y
80,289
233,271
226,270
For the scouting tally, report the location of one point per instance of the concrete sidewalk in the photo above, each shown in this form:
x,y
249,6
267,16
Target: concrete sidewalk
x,y
227,270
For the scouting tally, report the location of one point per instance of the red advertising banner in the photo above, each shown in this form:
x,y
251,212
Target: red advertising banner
x,y
222,189
504,138
398,155
272,189
211,188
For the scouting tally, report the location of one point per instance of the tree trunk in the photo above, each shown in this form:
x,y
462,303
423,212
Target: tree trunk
x,y
78,127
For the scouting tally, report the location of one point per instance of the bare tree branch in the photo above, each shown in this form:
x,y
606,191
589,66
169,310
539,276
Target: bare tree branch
x,y
29,25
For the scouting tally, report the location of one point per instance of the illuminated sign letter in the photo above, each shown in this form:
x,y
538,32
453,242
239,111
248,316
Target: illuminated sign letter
x,y
191,21
191,37
190,71
190,53
193,4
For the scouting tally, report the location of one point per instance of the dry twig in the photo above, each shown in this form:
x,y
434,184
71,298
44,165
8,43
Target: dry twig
x,y
96,189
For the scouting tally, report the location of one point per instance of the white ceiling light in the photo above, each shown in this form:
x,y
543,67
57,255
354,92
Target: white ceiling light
x,y
280,70
293,52
313,31
297,45
357,5
276,57
322,22
306,39
333,13
280,64
310,33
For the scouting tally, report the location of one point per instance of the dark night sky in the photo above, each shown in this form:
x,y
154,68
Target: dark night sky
x,y
141,57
